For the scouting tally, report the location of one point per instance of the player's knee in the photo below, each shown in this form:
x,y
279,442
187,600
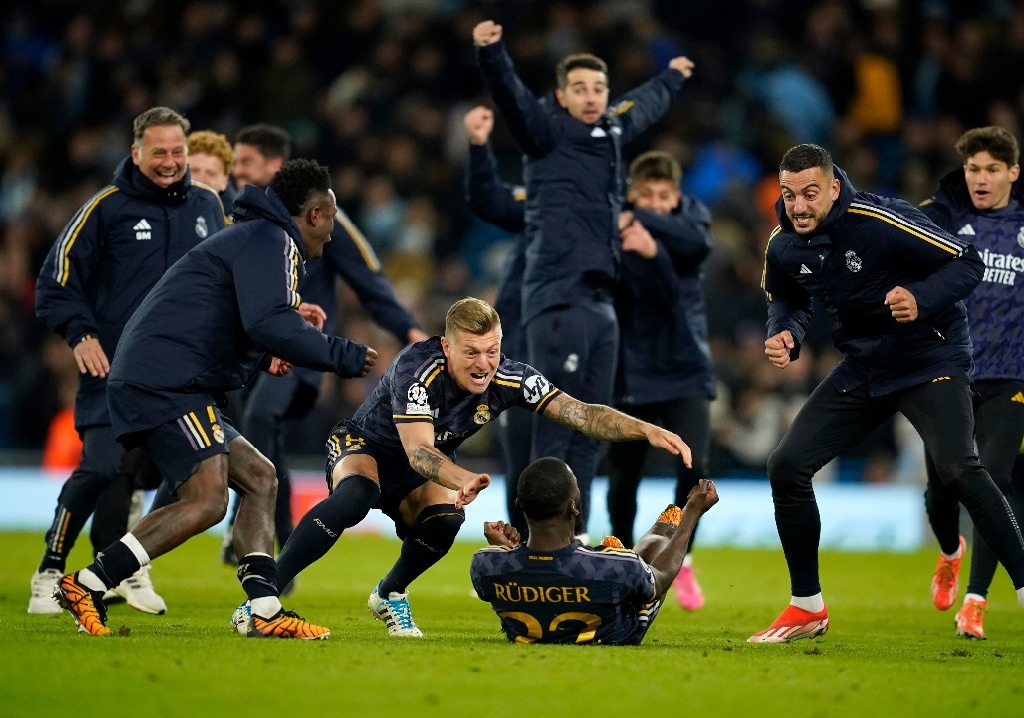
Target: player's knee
x,y
260,476
437,526
783,467
953,474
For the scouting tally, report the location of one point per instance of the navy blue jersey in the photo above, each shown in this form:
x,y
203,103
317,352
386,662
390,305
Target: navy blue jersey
x,y
574,595
417,388
995,308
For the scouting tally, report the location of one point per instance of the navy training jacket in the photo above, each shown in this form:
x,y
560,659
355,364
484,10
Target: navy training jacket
x,y
996,308
574,181
866,246
108,258
207,324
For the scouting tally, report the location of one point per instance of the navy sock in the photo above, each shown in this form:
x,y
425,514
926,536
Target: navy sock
x,y
258,574
426,544
323,525
114,564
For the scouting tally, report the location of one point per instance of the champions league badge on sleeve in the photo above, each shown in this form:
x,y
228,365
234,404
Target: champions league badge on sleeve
x,y
418,403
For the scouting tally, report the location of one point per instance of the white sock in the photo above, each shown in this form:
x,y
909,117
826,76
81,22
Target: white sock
x,y
266,607
136,548
90,580
688,560
975,597
1020,596
814,603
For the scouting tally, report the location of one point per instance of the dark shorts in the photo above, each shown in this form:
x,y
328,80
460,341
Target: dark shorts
x,y
397,478
179,446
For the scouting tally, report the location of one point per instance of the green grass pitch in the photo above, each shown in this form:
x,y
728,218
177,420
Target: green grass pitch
x,y
889,652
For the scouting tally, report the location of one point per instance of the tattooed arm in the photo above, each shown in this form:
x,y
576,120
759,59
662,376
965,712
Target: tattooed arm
x,y
607,424
418,442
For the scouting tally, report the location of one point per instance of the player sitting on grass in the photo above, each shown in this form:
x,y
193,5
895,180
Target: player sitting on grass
x,y
553,589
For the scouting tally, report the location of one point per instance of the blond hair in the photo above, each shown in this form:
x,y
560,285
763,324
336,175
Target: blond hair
x,y
470,316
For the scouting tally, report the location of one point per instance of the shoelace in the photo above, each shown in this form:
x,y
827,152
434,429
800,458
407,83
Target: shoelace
x,y
401,611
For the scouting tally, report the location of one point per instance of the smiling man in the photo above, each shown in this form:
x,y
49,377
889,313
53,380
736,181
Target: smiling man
x,y
893,284
103,264
397,452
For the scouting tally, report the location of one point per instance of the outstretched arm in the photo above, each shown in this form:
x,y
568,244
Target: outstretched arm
x,y
418,442
664,545
606,424
525,116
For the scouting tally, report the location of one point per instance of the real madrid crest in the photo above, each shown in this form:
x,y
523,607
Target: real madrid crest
x,y
482,415
853,262
201,229
218,433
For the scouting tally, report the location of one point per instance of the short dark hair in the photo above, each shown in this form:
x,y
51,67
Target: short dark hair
x,y
271,140
655,165
998,142
804,157
470,316
297,181
158,117
582,59
545,487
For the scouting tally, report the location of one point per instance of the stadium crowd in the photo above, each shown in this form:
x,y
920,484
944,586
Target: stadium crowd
x,y
377,89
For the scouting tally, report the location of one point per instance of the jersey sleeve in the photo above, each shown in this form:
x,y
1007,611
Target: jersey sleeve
x,y
411,398
61,288
534,391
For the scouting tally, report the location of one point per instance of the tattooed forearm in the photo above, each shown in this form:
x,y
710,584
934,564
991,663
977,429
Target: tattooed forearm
x,y
596,421
427,462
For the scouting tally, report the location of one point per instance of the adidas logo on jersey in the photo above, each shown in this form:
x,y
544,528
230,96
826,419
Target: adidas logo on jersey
x,y
143,230
966,231
804,269
1018,397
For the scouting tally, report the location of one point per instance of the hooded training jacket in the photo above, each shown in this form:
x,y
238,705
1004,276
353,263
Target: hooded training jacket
x,y
207,324
866,246
996,308
109,256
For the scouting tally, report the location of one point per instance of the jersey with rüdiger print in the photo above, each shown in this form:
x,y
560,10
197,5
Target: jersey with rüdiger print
x,y
574,595
417,387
